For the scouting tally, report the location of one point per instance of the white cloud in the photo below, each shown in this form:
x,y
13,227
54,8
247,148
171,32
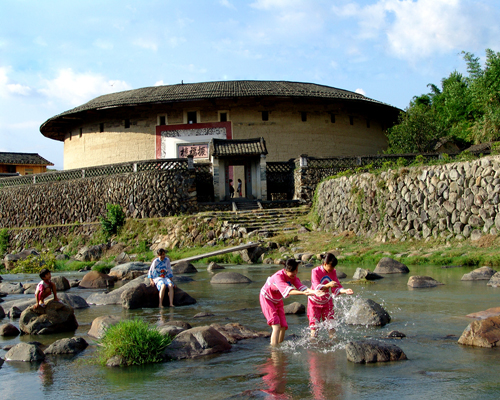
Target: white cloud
x,y
7,88
76,89
145,44
360,91
269,4
226,3
159,83
421,28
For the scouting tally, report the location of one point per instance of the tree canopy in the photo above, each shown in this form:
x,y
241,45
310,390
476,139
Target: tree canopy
x,y
465,109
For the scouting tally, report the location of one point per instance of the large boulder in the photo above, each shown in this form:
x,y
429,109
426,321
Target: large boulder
x,y
10,260
90,253
252,255
101,324
114,296
235,331
196,342
494,280
367,312
229,277
129,271
184,267
73,300
8,330
55,317
387,265
295,308
362,273
74,345
371,351
62,284
142,295
420,281
479,274
97,280
12,288
482,333
25,352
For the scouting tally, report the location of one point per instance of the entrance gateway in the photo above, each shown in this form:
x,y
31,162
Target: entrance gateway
x,y
243,159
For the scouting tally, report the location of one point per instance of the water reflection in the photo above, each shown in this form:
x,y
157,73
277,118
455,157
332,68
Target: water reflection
x,y
321,372
275,378
46,374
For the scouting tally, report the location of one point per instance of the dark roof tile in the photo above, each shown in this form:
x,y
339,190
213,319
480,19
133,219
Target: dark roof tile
x,y
23,158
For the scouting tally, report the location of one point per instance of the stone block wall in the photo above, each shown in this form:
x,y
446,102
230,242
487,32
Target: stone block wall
x,y
452,200
142,195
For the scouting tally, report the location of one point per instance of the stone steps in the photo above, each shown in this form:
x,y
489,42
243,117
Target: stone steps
x,y
267,222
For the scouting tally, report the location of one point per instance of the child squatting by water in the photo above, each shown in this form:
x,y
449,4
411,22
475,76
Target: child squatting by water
x,y
44,288
278,286
324,279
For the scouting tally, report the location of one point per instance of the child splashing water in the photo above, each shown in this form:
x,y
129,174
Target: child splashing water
x,y
324,279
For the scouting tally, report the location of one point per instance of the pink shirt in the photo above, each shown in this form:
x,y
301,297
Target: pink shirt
x,y
279,285
319,278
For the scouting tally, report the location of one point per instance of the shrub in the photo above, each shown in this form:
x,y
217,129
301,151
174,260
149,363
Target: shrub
x,y
34,264
114,220
102,268
133,340
4,241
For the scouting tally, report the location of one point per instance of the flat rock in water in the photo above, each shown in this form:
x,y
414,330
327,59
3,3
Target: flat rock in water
x,y
196,342
73,300
213,265
129,271
229,277
143,295
100,324
11,288
114,296
295,308
479,274
372,351
367,312
490,312
72,345
8,330
181,324
203,315
494,280
387,265
235,331
62,284
184,267
396,334
55,317
341,274
482,333
25,352
170,330
419,281
21,304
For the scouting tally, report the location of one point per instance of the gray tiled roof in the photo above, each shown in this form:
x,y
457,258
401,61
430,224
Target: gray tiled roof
x,y
206,91
23,159
240,147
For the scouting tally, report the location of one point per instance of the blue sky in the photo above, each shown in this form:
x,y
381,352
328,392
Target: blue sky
x,y
55,55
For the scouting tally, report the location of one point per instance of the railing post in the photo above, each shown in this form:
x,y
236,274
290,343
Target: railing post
x,y
303,161
83,173
34,178
135,167
190,160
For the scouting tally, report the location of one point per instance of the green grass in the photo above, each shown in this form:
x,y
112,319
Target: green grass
x,y
133,340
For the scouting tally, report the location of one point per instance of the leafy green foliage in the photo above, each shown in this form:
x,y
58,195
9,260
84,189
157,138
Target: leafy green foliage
x,y
114,220
34,264
133,340
4,241
465,109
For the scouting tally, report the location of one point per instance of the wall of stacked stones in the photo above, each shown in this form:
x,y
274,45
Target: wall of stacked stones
x,y
145,194
453,200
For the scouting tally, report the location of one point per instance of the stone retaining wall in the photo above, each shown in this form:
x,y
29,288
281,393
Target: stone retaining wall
x,y
452,200
141,194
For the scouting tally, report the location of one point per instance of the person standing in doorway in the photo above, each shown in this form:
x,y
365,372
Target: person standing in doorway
x,y
231,188
239,187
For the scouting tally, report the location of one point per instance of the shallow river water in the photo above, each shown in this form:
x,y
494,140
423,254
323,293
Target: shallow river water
x,y
433,320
